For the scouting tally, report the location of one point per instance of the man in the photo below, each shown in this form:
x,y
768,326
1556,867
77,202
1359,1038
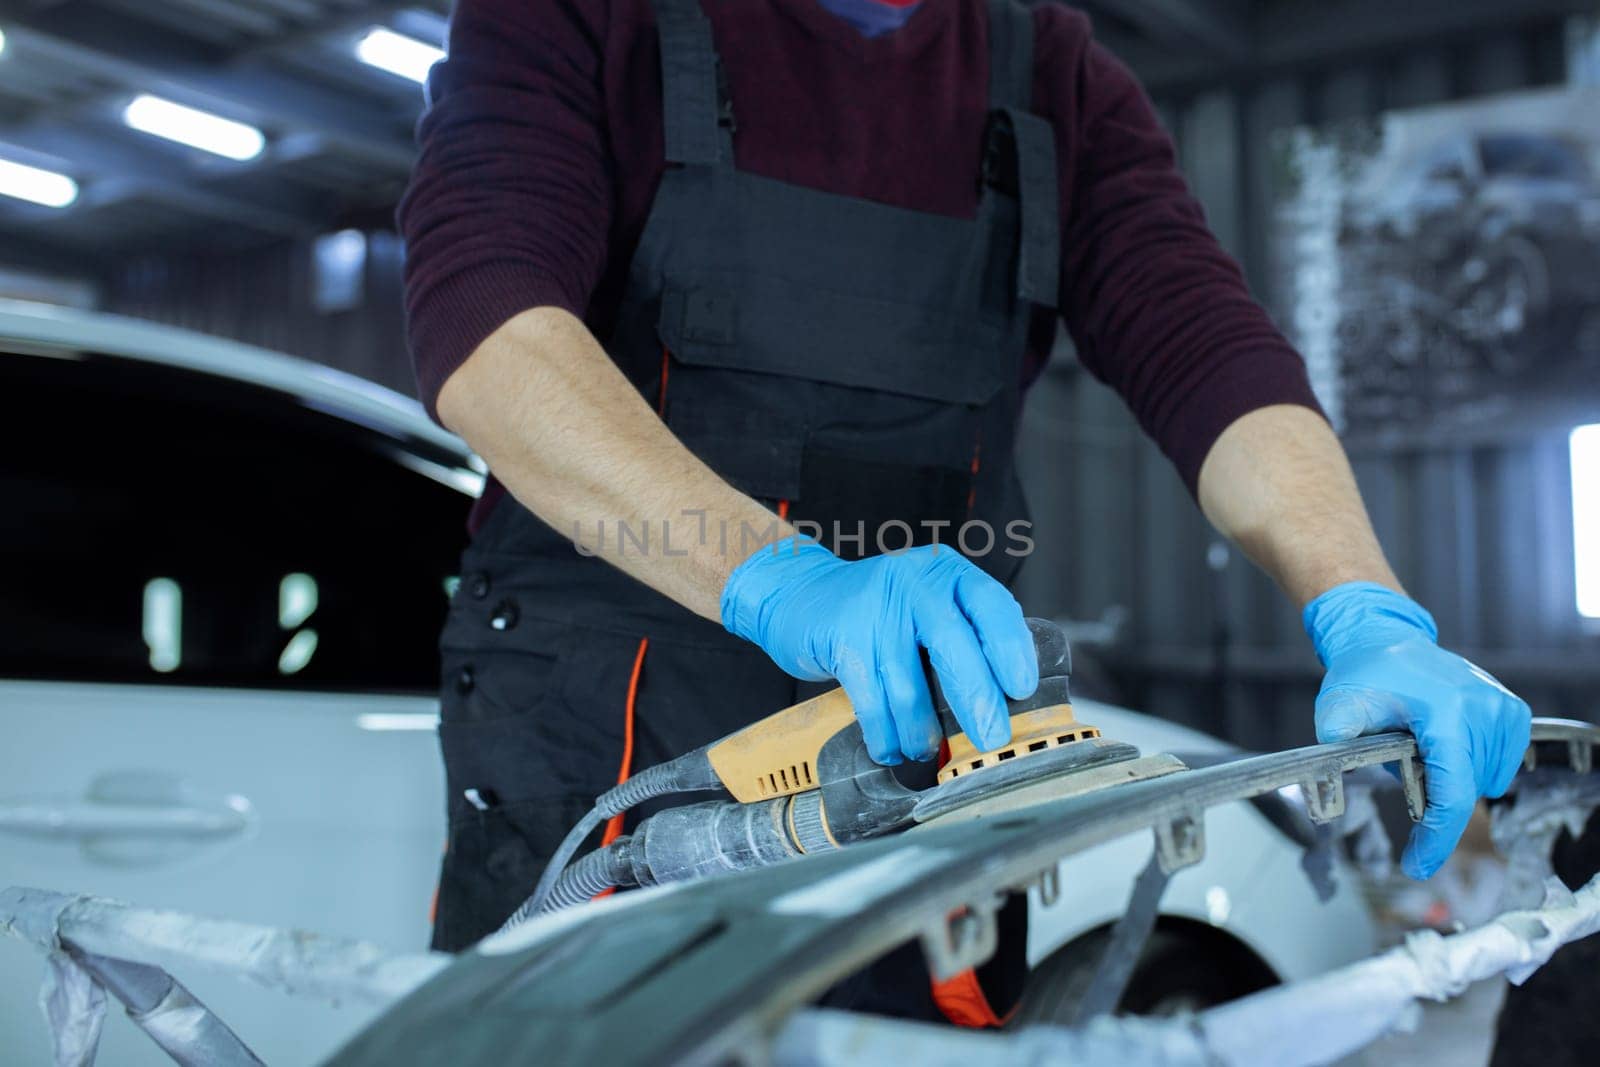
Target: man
x,y
681,277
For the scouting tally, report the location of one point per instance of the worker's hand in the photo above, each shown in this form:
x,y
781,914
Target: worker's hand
x,y
1386,673
862,623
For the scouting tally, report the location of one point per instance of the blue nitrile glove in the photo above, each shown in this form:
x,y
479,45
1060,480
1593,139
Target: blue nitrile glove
x,y
1386,673
861,623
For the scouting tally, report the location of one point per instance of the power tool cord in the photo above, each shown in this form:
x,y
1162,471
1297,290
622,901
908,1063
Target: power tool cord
x,y
688,773
558,863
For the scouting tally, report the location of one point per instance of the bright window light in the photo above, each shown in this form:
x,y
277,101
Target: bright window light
x,y
339,271
163,624
36,186
195,128
397,53
384,721
2,42
297,599
1586,517
298,652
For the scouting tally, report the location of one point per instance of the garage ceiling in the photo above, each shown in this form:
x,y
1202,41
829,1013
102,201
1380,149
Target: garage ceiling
x,y
339,132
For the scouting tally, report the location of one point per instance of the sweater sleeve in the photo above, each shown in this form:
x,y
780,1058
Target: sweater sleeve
x,y
510,201
1157,309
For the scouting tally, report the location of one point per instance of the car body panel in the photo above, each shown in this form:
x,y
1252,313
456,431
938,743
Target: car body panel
x,y
45,327
343,830
276,803
1250,883
700,972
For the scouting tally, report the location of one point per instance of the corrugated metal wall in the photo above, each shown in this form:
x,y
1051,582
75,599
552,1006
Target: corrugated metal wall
x,y
1480,530
267,297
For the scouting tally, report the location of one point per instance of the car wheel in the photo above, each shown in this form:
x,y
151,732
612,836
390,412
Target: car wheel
x,y
1185,967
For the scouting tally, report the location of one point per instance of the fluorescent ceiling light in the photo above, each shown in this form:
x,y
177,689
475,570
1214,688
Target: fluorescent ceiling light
x,y
1586,517
195,128
2,42
397,53
36,186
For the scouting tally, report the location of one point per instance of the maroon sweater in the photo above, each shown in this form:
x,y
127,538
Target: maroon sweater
x,y
543,148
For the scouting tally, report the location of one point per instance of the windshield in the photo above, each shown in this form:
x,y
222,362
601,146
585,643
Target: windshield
x,y
1521,156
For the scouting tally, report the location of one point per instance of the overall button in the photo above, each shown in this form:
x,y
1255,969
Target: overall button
x,y
505,616
478,585
465,680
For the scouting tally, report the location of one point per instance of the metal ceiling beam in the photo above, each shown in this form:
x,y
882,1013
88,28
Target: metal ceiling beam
x,y
115,169
199,202
1297,29
22,249
267,24
344,20
301,11
234,18
1293,36
1138,52
1219,26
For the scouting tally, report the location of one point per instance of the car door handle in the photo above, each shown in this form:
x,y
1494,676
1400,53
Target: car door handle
x,y
83,820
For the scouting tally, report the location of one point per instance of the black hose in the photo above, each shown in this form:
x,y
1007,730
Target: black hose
x,y
558,862
652,782
585,880
689,772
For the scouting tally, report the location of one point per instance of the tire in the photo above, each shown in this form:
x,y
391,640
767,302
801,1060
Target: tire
x,y
1184,967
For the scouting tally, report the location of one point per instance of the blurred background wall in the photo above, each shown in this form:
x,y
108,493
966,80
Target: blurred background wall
x,y
1477,521
300,256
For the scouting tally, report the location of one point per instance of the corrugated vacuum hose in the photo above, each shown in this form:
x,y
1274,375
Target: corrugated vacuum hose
x,y
688,773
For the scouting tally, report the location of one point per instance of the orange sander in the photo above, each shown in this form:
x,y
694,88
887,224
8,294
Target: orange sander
x,y
801,782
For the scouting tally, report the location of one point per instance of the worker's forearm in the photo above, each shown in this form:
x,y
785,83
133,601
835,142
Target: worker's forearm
x,y
1277,483
574,441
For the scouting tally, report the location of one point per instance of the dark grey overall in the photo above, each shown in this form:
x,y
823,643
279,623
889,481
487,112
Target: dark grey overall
x,y
853,363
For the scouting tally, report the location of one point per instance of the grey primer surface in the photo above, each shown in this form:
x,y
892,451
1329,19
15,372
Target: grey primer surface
x,y
95,945
1317,1021
709,971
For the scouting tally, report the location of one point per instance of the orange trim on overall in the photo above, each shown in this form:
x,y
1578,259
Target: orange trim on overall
x,y
961,1000
661,397
614,827
977,455
783,509
433,905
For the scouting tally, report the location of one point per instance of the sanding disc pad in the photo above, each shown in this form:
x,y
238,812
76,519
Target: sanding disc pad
x,y
1016,773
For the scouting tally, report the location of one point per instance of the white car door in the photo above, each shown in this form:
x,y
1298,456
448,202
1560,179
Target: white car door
x,y
216,664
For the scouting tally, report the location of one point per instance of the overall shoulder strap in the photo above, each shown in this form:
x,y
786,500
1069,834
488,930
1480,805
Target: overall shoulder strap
x,y
1010,55
1034,144
698,118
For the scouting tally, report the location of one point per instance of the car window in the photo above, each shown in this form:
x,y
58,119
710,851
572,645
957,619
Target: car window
x,y
165,526
1521,156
